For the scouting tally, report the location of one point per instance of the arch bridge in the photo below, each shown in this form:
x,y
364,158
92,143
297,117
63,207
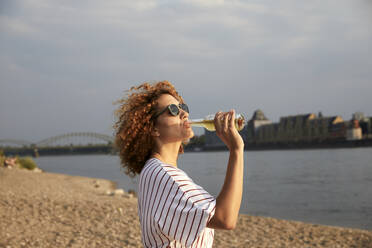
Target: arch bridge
x,y
69,137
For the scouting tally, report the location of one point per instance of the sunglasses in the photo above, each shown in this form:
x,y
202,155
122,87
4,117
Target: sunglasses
x,y
173,109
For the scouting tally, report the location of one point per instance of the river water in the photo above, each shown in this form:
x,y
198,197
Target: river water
x,y
329,186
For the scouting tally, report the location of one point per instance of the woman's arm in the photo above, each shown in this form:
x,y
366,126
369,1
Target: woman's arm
x,y
229,199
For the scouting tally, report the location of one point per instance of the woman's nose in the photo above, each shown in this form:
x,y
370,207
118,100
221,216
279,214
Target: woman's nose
x,y
184,114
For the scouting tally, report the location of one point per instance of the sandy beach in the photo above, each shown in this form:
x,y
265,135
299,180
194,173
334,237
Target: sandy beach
x,y
56,210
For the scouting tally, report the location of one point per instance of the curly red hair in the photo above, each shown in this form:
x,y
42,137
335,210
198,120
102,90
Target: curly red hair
x,y
134,124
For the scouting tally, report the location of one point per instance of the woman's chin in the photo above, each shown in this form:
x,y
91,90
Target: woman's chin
x,y
188,136
191,134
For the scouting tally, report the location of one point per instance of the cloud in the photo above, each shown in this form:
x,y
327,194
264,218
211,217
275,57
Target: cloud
x,y
206,3
281,56
17,27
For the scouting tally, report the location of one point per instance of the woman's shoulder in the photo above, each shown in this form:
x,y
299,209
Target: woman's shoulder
x,y
155,162
156,166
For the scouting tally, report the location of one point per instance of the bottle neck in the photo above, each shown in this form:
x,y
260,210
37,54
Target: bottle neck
x,y
195,121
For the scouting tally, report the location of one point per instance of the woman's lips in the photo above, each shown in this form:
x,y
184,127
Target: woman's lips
x,y
187,124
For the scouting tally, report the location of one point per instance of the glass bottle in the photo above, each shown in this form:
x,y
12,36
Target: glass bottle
x,y
208,122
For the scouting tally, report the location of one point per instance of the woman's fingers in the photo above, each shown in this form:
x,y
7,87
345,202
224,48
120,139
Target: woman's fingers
x,y
226,119
217,121
225,129
232,119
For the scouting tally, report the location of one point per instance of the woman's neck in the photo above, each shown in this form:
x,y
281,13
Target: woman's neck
x,y
167,153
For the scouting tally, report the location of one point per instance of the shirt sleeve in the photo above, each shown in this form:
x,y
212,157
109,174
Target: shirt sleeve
x,y
187,208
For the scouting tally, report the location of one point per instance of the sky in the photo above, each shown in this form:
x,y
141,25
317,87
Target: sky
x,y
64,63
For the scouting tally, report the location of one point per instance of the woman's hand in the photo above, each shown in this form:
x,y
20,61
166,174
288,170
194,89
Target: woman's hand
x,y
226,130
229,199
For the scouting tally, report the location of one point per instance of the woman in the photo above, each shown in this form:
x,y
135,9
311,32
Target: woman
x,y
173,211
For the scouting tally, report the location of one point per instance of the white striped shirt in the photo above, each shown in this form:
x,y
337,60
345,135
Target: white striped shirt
x,y
172,209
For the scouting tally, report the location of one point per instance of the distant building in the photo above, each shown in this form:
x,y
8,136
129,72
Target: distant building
x,y
366,126
354,132
302,128
295,128
359,116
365,123
326,128
257,121
359,127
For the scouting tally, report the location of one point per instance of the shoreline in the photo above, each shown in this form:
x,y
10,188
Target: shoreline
x,y
49,209
300,145
249,146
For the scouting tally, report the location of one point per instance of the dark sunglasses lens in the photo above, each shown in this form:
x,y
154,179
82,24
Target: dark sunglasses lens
x,y
173,109
184,107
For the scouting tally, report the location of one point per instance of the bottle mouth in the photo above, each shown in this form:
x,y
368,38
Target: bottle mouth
x,y
241,121
187,123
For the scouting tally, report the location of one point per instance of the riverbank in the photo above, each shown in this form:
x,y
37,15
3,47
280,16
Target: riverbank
x,y
299,145
56,210
108,149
